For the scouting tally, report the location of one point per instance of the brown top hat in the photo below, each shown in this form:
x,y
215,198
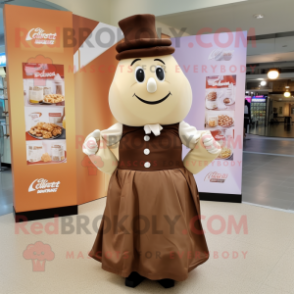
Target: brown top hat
x,y
141,39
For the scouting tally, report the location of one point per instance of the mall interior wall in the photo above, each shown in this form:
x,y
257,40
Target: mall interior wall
x,y
111,11
121,9
92,9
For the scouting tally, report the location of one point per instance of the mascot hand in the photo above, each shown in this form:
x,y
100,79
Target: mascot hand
x,y
90,146
210,144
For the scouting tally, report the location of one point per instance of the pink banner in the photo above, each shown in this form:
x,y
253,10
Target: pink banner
x,y
215,65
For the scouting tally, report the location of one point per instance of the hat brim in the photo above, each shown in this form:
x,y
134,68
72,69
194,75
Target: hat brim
x,y
146,52
142,43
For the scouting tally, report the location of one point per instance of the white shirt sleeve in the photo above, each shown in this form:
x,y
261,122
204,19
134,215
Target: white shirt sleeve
x,y
113,134
189,135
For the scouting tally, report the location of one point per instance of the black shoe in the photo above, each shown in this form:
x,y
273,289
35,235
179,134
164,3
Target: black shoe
x,y
133,280
166,283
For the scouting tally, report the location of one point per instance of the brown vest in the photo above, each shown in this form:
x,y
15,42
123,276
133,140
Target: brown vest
x,y
138,151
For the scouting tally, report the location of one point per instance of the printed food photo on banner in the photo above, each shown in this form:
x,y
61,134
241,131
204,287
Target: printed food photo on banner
x,y
45,123
46,152
225,137
220,96
220,92
44,101
219,120
43,84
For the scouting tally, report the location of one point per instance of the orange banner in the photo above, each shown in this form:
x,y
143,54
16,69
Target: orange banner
x,y
42,107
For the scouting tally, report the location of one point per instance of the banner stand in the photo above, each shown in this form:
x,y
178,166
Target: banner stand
x,y
219,197
44,213
42,118
215,65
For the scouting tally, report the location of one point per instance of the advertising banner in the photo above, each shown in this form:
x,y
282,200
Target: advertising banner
x,y
42,108
215,65
44,102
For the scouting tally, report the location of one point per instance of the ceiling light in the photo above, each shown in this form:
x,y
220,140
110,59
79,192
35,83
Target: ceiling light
x,y
258,16
287,94
273,73
262,83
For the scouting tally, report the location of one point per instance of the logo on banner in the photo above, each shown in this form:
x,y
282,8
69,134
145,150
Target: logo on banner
x,y
215,177
43,186
44,74
40,37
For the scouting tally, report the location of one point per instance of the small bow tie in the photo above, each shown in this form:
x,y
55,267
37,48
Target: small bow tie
x,y
155,129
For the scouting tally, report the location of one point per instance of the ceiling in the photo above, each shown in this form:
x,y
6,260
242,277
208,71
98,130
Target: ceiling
x,y
124,8
281,98
271,44
277,49
237,15
278,18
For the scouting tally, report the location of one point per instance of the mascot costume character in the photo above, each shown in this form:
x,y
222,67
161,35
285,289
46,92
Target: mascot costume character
x,y
151,226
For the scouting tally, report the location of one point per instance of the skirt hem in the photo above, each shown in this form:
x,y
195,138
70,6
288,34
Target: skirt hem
x,y
149,276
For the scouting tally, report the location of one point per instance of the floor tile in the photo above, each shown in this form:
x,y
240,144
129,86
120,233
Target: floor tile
x,y
282,275
264,289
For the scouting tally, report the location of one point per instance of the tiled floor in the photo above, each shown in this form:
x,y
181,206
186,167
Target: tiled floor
x,y
268,180
267,267
269,145
274,130
268,173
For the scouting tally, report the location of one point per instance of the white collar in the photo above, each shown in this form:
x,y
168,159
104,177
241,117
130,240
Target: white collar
x,y
154,128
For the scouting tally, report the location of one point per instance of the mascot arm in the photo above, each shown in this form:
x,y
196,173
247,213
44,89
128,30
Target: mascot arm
x,y
204,149
98,144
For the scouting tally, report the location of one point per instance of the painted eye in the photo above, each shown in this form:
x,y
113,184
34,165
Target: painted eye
x,y
140,74
160,73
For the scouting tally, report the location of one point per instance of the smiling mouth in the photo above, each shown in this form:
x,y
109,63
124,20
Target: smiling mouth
x,y
153,102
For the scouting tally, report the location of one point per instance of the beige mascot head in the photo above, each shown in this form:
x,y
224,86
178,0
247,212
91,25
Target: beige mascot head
x,y
149,86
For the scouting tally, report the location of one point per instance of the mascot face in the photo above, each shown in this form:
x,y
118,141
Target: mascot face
x,y
151,90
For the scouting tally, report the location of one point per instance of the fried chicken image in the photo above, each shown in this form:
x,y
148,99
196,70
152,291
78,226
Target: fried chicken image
x,y
57,131
47,135
48,127
40,124
54,98
45,130
32,131
46,157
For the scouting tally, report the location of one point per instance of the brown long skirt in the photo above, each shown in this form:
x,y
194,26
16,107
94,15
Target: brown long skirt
x,y
151,225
